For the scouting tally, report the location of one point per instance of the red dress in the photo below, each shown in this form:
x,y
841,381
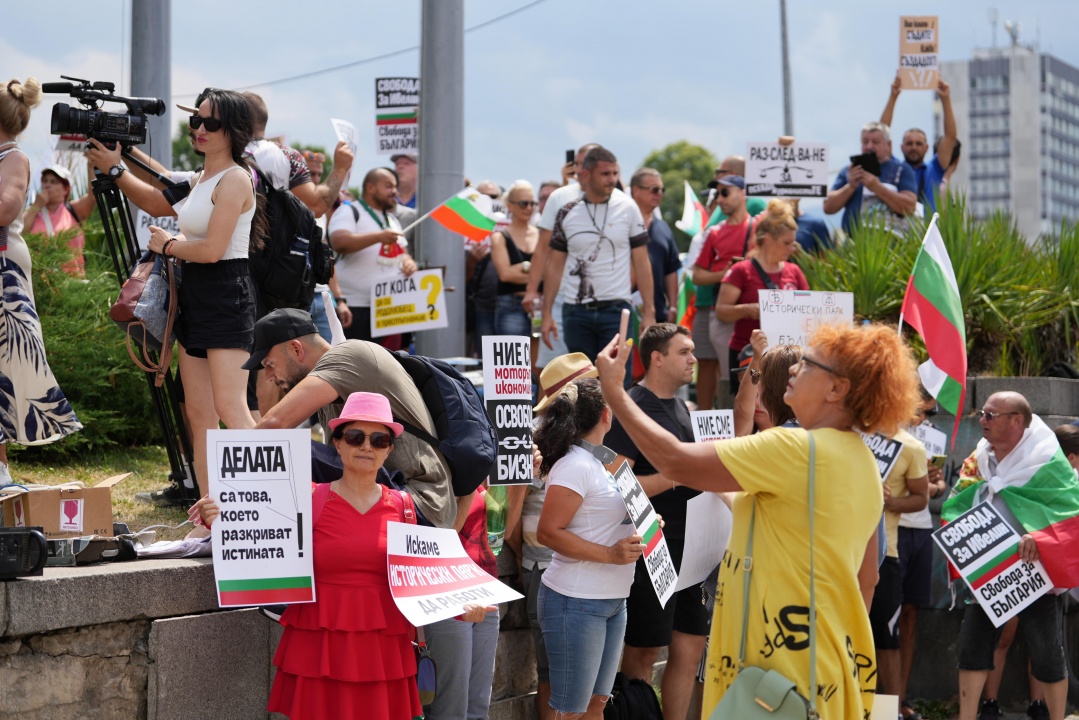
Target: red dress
x,y
349,654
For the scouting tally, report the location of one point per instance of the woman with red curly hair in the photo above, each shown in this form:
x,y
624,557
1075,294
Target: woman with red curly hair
x,y
847,379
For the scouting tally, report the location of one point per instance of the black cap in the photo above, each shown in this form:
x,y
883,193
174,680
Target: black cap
x,y
278,327
744,358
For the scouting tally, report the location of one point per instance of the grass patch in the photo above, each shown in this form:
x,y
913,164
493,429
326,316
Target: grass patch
x,y
148,464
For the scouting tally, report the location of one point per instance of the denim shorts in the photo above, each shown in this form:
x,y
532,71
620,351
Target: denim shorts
x,y
584,645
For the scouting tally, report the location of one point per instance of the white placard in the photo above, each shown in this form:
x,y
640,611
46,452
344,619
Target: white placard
x,y
789,317
708,530
346,133
657,554
507,394
397,127
408,304
143,221
795,170
936,442
261,480
432,577
709,425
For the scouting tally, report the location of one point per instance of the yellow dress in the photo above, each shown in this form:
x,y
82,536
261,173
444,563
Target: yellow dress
x,y
773,468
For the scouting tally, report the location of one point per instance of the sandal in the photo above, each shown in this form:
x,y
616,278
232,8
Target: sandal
x,y
904,705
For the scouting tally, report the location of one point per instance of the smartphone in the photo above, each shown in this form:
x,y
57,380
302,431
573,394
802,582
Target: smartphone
x,y
571,156
623,328
938,461
868,161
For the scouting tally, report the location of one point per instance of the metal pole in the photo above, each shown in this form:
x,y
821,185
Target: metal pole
x,y
788,110
442,162
151,69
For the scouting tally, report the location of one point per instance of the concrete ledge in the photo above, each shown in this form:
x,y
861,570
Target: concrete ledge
x,y
95,594
1047,396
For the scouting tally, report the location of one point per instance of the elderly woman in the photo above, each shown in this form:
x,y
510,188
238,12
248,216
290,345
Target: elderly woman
x,y
349,654
847,379
53,212
36,411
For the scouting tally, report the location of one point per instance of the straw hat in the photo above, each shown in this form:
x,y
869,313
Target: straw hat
x,y
560,372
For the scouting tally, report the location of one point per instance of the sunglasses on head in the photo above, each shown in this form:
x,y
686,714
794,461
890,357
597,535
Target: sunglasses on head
x,y
197,121
379,440
524,204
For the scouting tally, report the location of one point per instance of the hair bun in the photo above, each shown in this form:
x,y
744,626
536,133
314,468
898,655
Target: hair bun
x,y
28,93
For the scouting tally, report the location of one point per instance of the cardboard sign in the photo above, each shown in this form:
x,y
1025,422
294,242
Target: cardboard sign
x,y
346,133
789,317
657,556
507,392
885,707
919,48
397,125
936,442
984,548
408,304
795,170
708,530
261,480
709,425
885,451
432,577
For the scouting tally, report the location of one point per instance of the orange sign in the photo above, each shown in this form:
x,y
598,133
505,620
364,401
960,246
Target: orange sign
x,y
919,52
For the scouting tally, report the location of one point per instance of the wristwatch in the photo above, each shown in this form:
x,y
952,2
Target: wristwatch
x,y
116,171
342,300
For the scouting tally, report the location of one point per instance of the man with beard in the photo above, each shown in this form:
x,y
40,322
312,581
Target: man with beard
x,y
317,378
367,239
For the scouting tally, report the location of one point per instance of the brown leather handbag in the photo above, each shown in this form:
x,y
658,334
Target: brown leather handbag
x,y
131,314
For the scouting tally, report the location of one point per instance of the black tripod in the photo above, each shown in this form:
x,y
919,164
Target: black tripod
x,y
115,214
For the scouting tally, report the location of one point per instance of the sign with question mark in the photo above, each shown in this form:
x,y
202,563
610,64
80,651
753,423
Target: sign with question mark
x,y
408,304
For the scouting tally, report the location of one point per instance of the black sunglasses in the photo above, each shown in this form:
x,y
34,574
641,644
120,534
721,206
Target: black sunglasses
x,y
493,197
928,413
725,192
524,203
379,440
197,121
655,189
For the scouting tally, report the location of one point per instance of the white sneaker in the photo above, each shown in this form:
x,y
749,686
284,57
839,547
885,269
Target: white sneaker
x,y
5,475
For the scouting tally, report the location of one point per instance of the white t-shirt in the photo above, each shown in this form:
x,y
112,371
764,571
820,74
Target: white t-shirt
x,y
555,202
272,160
601,519
356,271
599,239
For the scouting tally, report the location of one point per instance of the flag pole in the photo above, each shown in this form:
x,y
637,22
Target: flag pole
x,y
428,213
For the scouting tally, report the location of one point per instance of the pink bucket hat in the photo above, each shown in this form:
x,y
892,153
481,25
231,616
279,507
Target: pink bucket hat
x,y
369,407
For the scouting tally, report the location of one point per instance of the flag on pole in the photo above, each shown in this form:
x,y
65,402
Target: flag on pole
x,y
467,213
693,215
932,306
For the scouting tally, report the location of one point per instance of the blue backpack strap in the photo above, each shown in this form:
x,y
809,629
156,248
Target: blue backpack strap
x,y
318,502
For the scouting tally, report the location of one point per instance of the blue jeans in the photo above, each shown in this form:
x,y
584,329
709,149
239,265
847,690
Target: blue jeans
x,y
483,324
318,316
465,655
510,317
589,331
584,644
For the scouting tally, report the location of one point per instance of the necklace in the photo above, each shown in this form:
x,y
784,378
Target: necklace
x,y
592,216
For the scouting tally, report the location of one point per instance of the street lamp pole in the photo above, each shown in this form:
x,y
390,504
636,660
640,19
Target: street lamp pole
x,y
788,110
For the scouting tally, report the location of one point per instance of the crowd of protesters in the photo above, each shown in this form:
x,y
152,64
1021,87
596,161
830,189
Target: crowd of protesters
x,y
839,580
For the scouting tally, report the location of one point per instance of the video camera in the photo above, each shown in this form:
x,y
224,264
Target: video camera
x,y
128,128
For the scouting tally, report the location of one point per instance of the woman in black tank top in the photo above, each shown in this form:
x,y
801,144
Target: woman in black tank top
x,y
511,253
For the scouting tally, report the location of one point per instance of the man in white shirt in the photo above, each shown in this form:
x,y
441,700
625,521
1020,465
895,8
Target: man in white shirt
x,y
595,241
359,233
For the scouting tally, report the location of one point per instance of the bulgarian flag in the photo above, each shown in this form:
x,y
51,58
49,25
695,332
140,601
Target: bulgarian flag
x,y
265,591
651,533
932,306
693,215
467,213
1039,486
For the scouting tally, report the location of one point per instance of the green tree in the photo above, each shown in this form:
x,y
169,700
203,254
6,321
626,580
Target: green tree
x,y
327,164
183,152
678,162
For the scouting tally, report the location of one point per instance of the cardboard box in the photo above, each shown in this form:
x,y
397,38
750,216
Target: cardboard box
x,y
63,511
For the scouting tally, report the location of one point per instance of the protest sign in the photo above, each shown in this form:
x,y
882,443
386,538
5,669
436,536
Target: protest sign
x,y
708,530
919,48
795,170
261,479
432,577
507,392
789,317
709,425
934,440
143,221
346,133
397,126
408,304
984,548
885,451
657,556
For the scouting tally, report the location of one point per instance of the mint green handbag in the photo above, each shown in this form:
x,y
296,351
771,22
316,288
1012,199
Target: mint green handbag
x,y
758,694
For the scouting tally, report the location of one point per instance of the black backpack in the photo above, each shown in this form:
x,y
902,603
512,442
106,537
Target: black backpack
x,y
294,255
632,699
465,435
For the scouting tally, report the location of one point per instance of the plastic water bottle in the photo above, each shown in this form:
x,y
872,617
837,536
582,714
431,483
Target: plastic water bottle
x,y
537,317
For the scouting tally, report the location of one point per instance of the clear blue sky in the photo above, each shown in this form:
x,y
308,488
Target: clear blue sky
x,y
631,75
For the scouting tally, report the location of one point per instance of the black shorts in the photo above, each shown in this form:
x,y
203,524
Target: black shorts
x,y
360,329
887,601
916,565
532,581
217,307
648,624
1042,626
